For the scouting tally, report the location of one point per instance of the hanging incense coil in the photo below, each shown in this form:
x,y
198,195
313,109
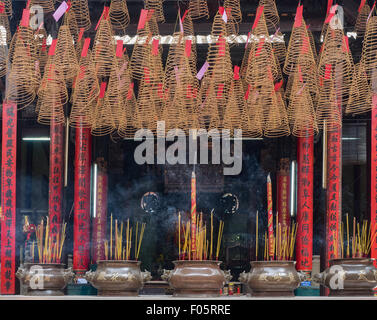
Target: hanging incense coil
x,y
360,96
252,122
103,53
52,96
41,48
156,5
234,108
277,124
209,117
336,63
119,15
220,68
24,76
188,30
329,110
103,122
146,113
65,55
141,51
126,127
369,52
198,9
47,5
71,22
312,43
271,13
85,94
279,48
299,45
235,8
3,60
81,10
361,21
301,114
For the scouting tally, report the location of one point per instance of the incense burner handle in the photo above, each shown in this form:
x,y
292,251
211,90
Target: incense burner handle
x,y
319,278
167,274
146,276
68,275
303,276
244,277
227,275
21,273
90,275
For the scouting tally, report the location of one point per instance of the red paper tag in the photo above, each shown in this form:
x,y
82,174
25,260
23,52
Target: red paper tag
x,y
305,45
278,85
247,92
106,12
102,89
81,34
328,70
258,15
221,10
130,91
189,91
298,17
259,48
184,16
331,14
28,4
119,49
362,3
44,45
329,5
236,73
51,51
142,19
2,7
155,47
188,48
220,90
85,47
25,18
346,46
221,44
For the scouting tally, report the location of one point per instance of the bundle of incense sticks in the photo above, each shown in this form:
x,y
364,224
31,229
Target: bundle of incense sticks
x,y
120,248
284,241
204,246
358,244
49,245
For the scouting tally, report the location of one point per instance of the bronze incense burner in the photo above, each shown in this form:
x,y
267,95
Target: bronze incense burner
x,y
118,277
272,278
196,278
44,279
349,277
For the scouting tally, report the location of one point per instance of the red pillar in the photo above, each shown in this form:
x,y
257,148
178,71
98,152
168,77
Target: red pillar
x,y
8,198
304,242
373,176
56,176
100,218
283,193
81,226
333,195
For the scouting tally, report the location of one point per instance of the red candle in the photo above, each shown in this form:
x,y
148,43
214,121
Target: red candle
x,y
270,219
193,214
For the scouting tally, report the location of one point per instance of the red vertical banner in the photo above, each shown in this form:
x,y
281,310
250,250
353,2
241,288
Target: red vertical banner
x,y
283,193
81,224
8,198
56,176
333,195
373,176
100,213
304,241
193,215
270,220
